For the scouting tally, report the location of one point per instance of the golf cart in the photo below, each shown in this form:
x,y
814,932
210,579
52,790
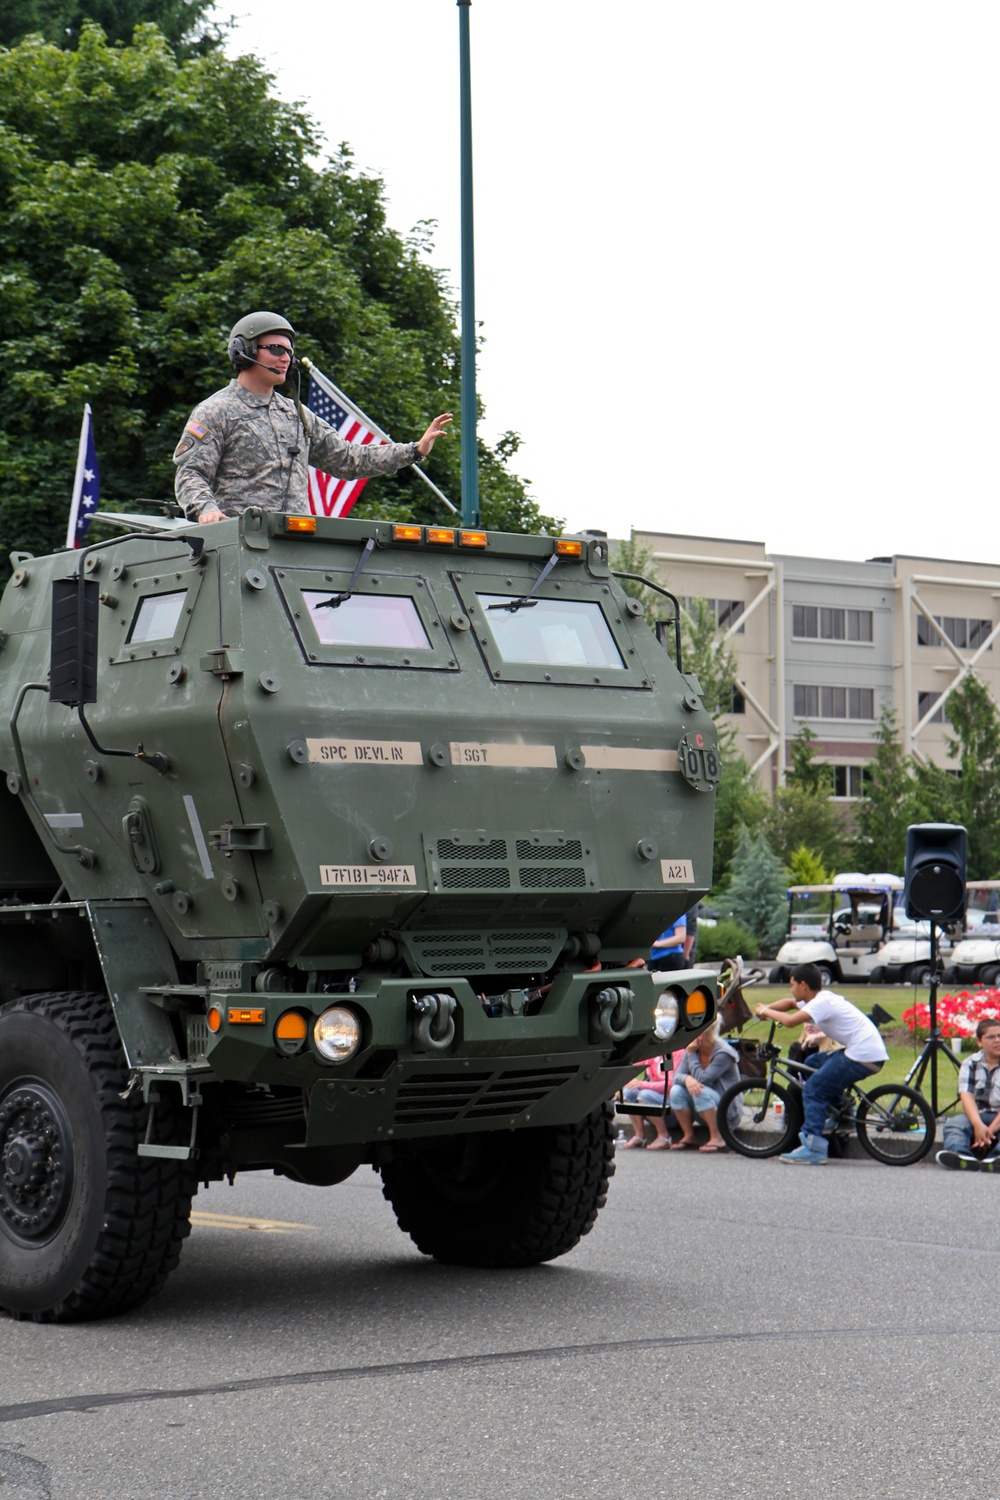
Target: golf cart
x,y
975,959
855,929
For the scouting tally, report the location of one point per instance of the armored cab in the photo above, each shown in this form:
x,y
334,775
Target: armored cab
x,y
327,843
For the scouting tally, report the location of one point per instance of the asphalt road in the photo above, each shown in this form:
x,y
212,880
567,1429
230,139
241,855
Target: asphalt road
x,y
730,1328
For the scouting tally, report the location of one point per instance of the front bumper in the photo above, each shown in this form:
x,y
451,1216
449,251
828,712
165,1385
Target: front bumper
x,y
495,1072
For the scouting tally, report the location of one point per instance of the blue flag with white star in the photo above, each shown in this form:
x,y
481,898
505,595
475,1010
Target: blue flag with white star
x,y
86,484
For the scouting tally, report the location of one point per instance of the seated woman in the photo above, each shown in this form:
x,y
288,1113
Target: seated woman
x,y
647,1088
707,1067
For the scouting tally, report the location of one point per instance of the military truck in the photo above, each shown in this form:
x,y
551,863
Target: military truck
x,y
329,843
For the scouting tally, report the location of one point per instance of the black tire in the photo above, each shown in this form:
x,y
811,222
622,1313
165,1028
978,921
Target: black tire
x,y
989,974
895,1124
759,1131
918,974
826,975
502,1199
87,1227
878,975
778,975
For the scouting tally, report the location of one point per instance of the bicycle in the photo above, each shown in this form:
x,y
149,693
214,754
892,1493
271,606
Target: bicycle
x,y
894,1123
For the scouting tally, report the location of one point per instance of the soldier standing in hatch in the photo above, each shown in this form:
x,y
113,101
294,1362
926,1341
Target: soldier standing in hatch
x,y
246,445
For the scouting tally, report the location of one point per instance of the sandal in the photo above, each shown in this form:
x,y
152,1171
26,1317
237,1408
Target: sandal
x,y
632,1142
662,1143
710,1148
683,1145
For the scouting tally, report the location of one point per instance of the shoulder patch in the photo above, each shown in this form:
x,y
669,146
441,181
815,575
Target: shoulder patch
x,y
196,429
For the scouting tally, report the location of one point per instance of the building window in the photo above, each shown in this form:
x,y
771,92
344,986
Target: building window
x,y
819,702
849,781
925,702
725,612
811,622
739,703
964,633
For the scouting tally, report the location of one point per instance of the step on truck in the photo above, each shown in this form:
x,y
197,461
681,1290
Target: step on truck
x,y
327,843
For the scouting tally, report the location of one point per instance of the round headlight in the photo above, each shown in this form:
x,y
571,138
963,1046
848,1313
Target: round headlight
x,y
665,1016
337,1034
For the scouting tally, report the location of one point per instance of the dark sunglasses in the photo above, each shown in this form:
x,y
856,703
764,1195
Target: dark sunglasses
x,y
277,350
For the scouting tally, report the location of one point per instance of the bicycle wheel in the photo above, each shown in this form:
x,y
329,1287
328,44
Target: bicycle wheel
x,y
895,1124
767,1121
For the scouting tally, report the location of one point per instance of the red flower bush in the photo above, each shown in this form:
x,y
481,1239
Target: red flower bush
x,y
957,1014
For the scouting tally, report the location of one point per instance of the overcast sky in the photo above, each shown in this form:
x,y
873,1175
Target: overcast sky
x,y
737,261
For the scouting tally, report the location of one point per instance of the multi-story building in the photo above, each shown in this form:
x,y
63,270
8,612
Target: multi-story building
x,y
826,643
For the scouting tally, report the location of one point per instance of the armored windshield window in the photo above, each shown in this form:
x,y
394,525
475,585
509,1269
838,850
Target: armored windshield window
x,y
367,620
157,617
552,633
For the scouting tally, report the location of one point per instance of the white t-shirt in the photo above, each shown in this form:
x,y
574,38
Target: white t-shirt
x,y
842,1021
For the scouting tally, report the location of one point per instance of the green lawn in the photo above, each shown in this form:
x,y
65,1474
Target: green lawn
x,y
902,1049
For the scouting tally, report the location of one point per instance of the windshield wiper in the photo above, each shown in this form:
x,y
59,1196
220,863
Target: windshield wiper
x,y
528,601
336,600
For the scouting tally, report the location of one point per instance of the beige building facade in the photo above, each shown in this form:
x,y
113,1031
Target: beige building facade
x,y
825,644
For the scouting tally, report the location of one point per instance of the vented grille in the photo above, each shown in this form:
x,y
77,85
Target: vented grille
x,y
496,849
475,877
513,951
532,877
570,849
197,1037
468,861
433,1098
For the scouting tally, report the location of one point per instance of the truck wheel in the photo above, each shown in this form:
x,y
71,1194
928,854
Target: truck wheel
x,y
503,1199
87,1227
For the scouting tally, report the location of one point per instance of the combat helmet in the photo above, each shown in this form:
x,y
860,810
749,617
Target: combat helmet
x,y
244,336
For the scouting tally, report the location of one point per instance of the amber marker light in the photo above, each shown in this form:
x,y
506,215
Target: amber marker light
x,y
291,1032
473,538
214,1019
300,523
696,1007
249,1017
442,535
569,549
407,533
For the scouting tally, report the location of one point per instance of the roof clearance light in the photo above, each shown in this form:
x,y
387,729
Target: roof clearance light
x,y
247,1017
337,1034
407,533
444,536
473,538
569,549
300,523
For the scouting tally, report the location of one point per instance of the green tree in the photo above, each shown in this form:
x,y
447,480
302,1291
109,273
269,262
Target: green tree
x,y
143,213
806,771
61,22
887,807
806,867
757,890
969,795
740,804
798,816
713,661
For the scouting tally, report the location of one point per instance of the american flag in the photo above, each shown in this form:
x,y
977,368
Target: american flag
x,y
86,483
329,496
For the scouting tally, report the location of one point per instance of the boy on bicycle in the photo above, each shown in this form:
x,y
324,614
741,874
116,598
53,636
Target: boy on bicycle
x,y
863,1053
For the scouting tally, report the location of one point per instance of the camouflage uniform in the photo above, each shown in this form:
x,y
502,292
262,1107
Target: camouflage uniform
x,y
234,453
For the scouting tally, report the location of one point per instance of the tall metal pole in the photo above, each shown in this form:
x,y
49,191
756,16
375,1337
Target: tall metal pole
x,y
470,465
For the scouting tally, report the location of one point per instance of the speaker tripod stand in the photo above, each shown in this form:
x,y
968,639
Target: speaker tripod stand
x,y
934,1046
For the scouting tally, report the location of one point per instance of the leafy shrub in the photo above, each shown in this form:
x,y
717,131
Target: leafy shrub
x,y
725,940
